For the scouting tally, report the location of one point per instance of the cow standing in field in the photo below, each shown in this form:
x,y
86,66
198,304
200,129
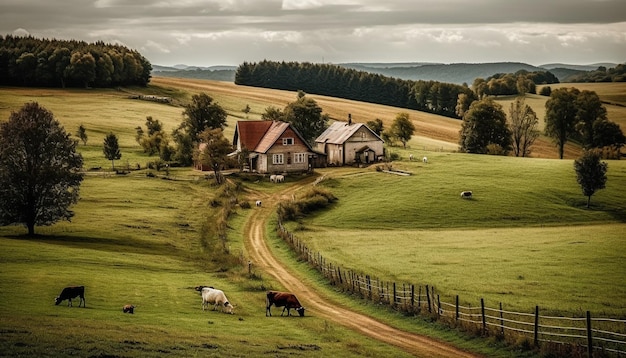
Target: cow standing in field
x,y
212,296
71,292
283,299
258,203
128,309
466,194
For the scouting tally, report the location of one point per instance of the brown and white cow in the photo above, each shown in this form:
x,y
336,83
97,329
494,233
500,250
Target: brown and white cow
x,y
71,292
283,299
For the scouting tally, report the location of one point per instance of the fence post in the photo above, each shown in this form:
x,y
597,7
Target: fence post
x,y
369,286
536,340
438,306
412,297
501,320
589,339
339,274
394,293
457,307
419,297
482,312
428,298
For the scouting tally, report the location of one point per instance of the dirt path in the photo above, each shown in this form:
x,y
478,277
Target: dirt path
x,y
262,257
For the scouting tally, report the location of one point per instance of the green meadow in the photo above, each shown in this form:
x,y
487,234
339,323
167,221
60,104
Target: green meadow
x,y
525,239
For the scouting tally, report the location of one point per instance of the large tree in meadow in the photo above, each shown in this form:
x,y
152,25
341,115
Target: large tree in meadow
x,y
111,149
561,116
590,173
590,110
214,150
484,127
202,113
40,170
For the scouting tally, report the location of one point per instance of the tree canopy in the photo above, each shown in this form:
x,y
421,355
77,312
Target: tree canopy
x,y
560,116
590,173
27,61
484,129
402,128
523,124
40,170
202,113
111,149
305,115
214,151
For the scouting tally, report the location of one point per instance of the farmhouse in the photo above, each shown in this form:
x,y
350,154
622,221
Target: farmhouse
x,y
350,143
274,147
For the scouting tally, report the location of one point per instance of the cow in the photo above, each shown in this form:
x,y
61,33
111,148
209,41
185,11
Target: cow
x,y
280,178
258,203
283,299
212,296
466,194
425,160
410,157
71,292
273,178
128,309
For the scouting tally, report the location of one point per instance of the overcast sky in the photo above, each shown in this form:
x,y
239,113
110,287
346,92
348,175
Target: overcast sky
x,y
229,32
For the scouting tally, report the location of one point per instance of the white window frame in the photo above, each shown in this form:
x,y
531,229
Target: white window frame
x,y
299,158
278,158
288,141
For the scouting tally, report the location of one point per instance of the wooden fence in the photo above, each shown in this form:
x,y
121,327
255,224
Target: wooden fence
x,y
593,334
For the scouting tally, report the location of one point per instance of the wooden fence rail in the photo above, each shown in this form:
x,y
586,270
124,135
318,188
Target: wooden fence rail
x,y
607,335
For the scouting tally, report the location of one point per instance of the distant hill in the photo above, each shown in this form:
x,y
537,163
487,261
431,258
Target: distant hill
x,y
457,73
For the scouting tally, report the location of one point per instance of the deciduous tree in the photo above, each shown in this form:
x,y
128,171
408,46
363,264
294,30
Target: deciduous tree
x,y
111,149
484,126
590,173
40,170
376,126
560,116
202,113
214,151
523,125
305,115
402,128
81,133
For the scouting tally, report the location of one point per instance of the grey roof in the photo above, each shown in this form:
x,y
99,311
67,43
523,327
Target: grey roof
x,y
340,132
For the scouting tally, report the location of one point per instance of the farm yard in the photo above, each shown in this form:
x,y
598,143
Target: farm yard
x,y
524,239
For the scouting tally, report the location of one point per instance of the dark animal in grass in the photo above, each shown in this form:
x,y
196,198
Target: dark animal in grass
x,y
71,292
283,299
128,309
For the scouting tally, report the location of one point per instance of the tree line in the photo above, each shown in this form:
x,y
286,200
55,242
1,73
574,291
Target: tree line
x,y
335,81
601,74
507,84
28,61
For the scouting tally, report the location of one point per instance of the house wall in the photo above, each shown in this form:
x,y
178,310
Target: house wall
x,y
358,140
334,153
291,153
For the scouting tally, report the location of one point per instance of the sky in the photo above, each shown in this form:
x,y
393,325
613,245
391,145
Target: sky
x,y
229,32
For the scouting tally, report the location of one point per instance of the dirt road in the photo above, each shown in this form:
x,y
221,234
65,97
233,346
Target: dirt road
x,y
262,257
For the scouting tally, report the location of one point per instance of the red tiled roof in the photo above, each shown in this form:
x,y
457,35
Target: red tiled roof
x,y
251,132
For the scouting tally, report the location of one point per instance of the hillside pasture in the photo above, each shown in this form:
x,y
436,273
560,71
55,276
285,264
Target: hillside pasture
x,y
524,239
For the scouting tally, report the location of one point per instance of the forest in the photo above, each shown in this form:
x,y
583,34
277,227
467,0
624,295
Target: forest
x,y
32,62
336,81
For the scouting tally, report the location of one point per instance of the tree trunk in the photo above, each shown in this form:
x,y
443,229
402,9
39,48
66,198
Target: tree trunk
x,y
588,201
31,228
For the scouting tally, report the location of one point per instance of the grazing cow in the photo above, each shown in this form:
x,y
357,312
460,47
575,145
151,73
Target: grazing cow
x,y
466,194
425,160
128,309
410,157
212,296
280,178
71,292
283,299
273,178
258,203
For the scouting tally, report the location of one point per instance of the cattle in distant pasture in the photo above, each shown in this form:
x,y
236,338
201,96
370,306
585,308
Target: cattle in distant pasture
x,y
258,203
425,160
212,296
128,309
466,194
71,292
283,299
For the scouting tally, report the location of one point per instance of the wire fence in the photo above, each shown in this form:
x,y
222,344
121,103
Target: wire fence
x,y
597,336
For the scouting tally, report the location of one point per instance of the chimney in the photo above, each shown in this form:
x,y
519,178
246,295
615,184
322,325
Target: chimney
x,y
349,119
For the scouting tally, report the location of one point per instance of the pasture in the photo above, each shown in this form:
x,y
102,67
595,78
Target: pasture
x,y
524,239
138,239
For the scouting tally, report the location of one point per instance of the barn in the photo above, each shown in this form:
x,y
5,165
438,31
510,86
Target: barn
x,y
274,147
347,143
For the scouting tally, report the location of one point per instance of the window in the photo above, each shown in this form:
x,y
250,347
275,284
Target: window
x,y
299,158
278,159
287,141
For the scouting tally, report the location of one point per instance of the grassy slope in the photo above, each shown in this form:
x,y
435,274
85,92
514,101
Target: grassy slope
x,y
128,238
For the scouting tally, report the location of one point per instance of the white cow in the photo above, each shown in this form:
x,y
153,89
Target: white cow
x,y
280,178
466,194
425,160
410,157
212,296
258,203
273,178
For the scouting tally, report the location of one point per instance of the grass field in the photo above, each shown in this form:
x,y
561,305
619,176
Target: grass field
x,y
524,239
